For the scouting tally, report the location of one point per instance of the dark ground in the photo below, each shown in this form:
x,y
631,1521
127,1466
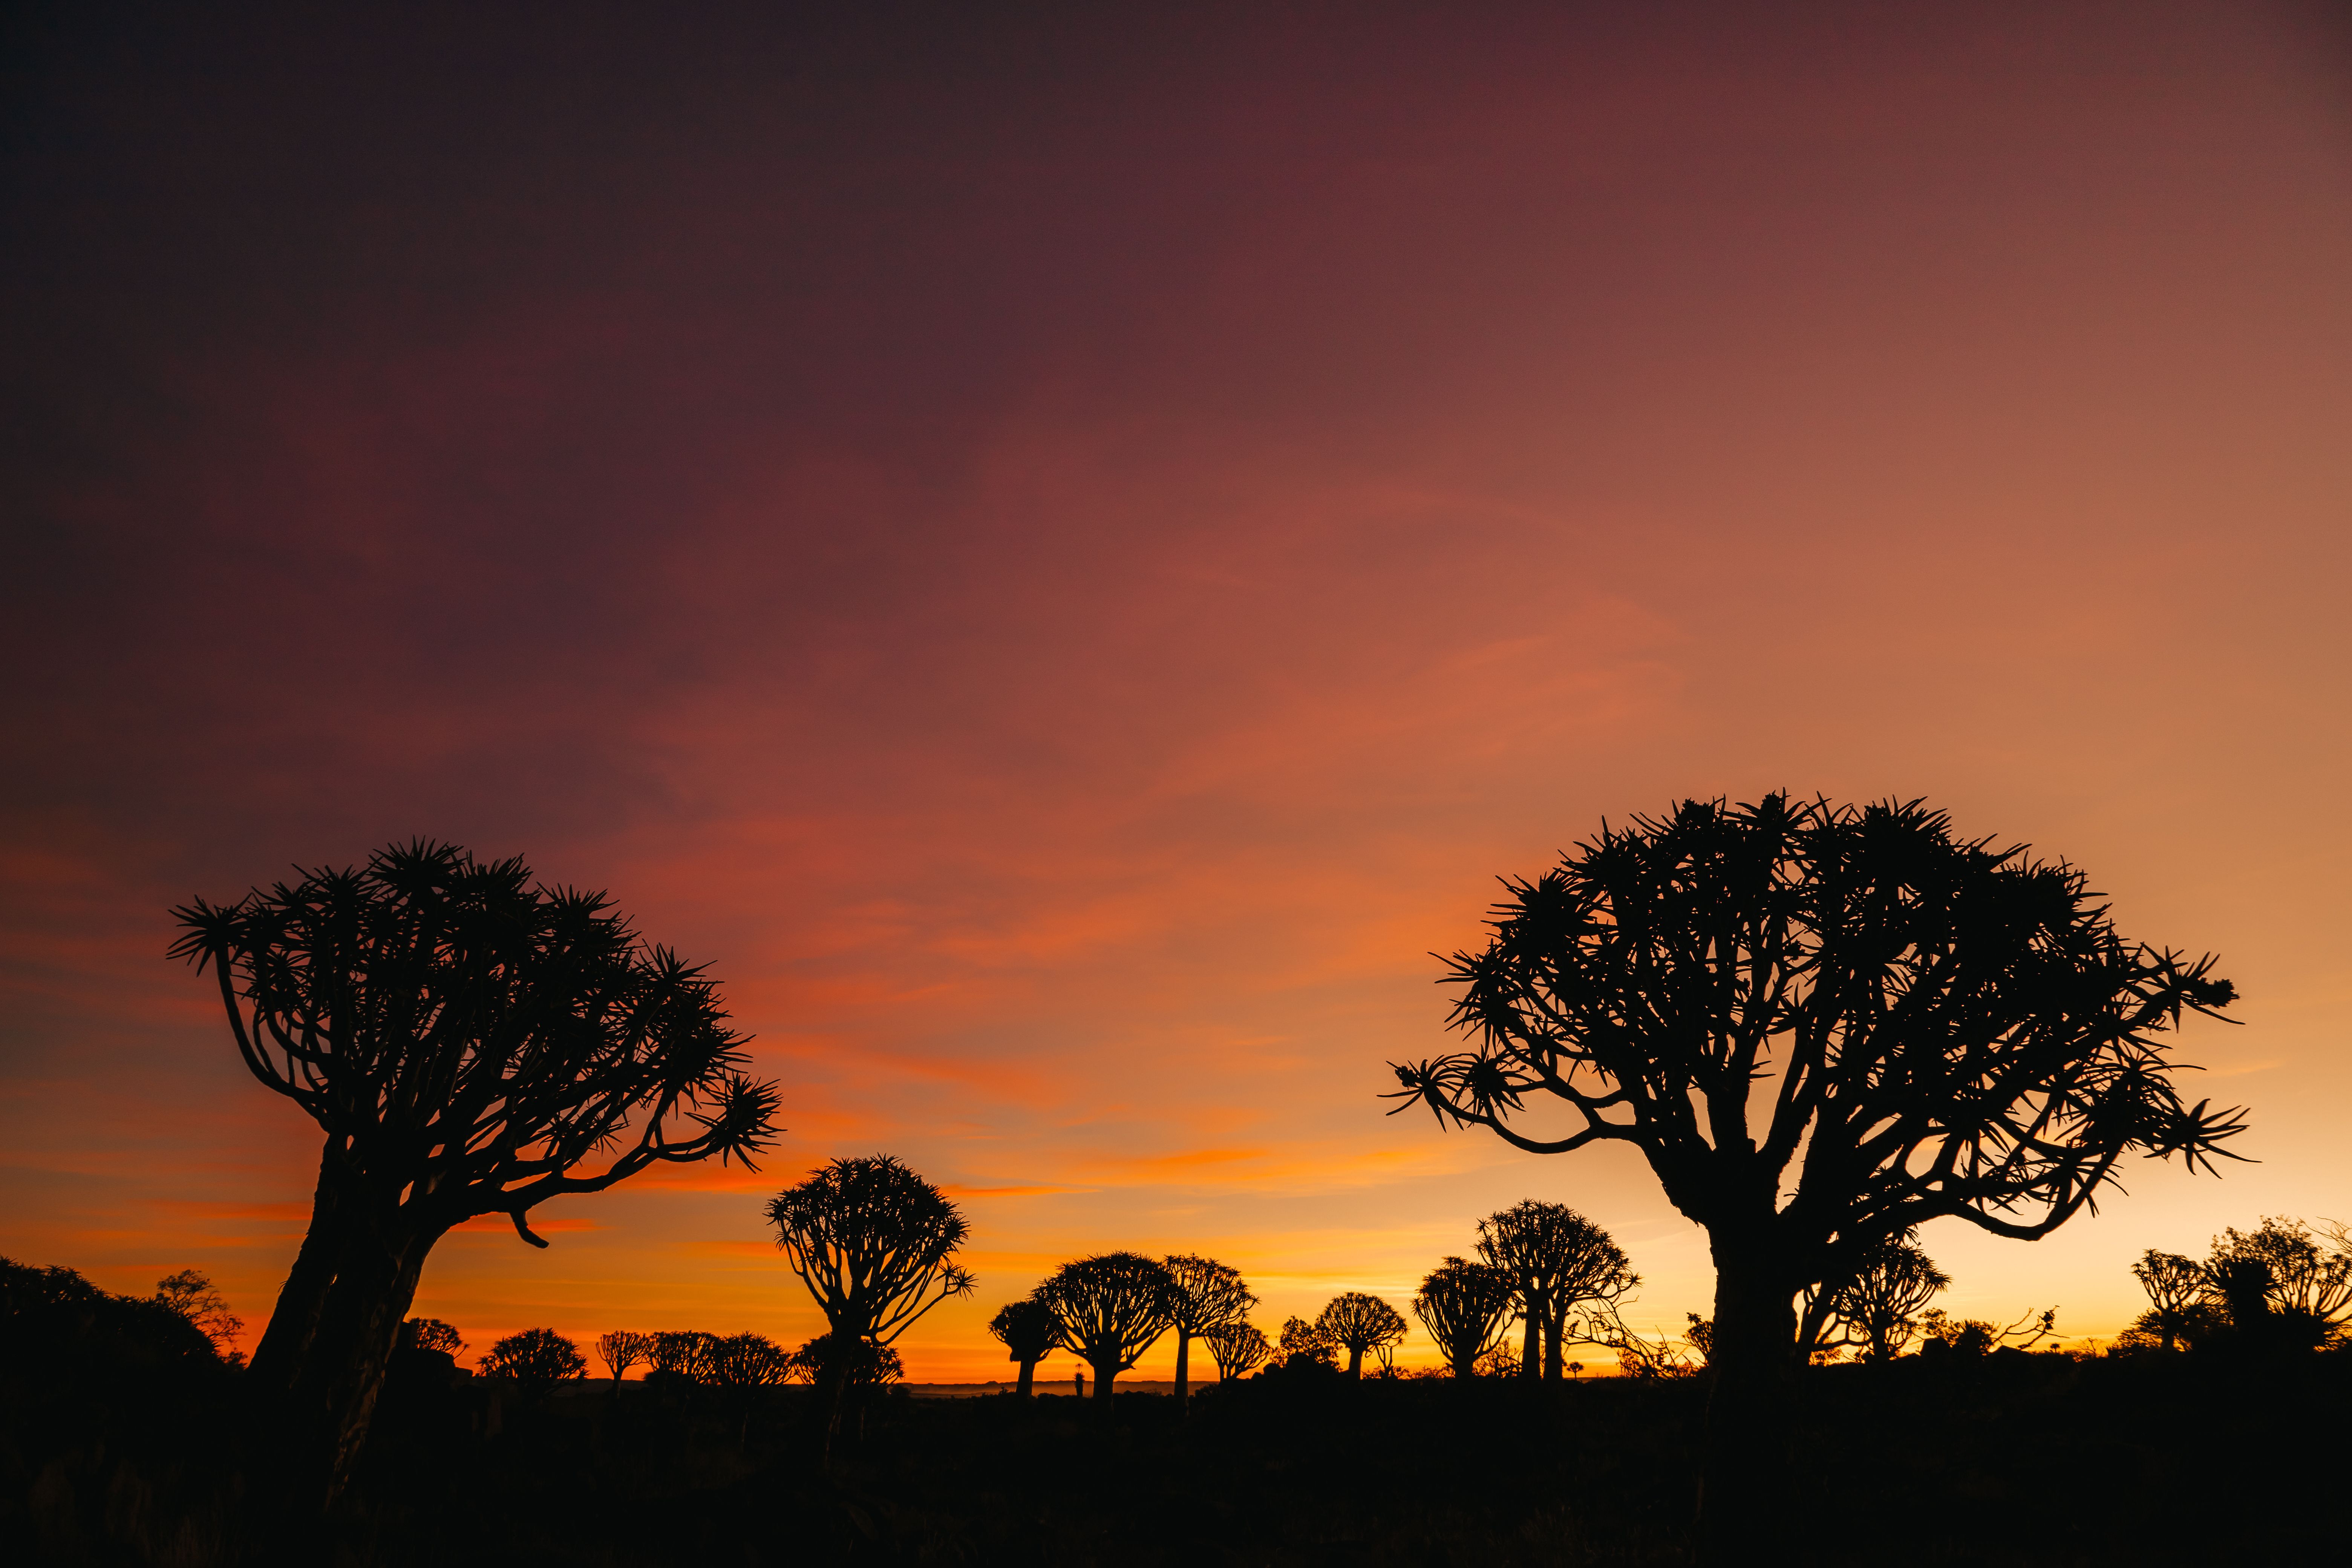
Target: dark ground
x,y
2014,1460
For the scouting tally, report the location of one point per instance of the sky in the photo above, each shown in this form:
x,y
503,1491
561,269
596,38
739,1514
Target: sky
x,y
1061,551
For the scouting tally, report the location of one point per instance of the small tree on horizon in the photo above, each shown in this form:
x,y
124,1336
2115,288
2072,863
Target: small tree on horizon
x,y
1304,1344
1239,1349
534,1356
1467,1308
1029,1330
1563,1263
1357,1323
1110,1308
1877,1311
1822,1026
1209,1296
874,1244
2175,1290
190,1293
431,1334
621,1350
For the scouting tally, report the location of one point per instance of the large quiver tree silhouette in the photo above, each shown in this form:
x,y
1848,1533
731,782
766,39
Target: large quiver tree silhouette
x,y
874,1244
1562,1262
472,1044
1209,1296
1028,1331
1238,1348
1467,1308
1822,1027
1357,1323
1111,1308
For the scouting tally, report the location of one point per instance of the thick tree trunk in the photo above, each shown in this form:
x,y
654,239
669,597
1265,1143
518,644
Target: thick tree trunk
x,y
1743,1470
1028,1376
1555,1330
1356,1361
371,1294
1531,1359
278,1361
1104,1371
1183,1368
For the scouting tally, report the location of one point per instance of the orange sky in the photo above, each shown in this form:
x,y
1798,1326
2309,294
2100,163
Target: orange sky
x,y
1063,559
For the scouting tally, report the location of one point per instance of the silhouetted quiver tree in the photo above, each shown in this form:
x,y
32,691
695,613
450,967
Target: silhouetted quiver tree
x,y
1467,1308
1356,1323
1029,1331
430,1334
682,1355
2279,1287
1239,1349
1110,1308
621,1350
1562,1263
1877,1309
1209,1296
1920,1027
2175,1290
874,1244
535,1356
1304,1344
472,1044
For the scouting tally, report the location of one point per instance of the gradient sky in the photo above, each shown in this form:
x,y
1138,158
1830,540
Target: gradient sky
x,y
1062,550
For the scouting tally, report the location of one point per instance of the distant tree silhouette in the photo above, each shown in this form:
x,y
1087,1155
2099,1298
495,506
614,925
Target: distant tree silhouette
x,y
1304,1344
535,1355
1467,1308
1498,1361
1921,1026
622,1349
682,1355
191,1294
1028,1328
1207,1296
742,1364
430,1334
1239,1349
472,1044
1877,1309
2281,1290
1356,1323
2176,1289
874,1244
1562,1261
1111,1308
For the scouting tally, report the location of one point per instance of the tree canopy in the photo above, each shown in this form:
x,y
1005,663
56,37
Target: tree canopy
x,y
1467,1308
1111,1308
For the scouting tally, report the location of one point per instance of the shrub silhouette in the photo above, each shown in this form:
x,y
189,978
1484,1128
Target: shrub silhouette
x,y
1560,1262
1028,1330
1357,1323
535,1356
472,1044
874,1244
1209,1296
1467,1308
1822,1026
682,1357
1111,1308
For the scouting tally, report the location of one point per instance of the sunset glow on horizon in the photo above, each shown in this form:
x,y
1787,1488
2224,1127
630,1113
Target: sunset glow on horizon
x,y
1063,556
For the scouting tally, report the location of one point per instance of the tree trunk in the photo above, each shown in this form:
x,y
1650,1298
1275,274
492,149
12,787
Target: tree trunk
x,y
1555,1330
1104,1371
1183,1368
372,1292
1028,1376
1531,1360
1356,1361
280,1359
1743,1469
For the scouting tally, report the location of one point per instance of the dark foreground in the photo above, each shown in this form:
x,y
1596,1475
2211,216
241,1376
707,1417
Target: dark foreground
x,y
2009,1461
